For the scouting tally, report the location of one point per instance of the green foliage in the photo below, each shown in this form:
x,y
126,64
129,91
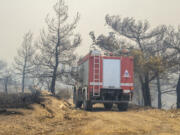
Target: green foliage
x,y
151,64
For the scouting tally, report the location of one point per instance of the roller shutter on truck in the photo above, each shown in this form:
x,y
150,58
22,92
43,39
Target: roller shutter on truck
x,y
111,73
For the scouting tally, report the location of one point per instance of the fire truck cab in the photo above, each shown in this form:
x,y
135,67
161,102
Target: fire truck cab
x,y
104,79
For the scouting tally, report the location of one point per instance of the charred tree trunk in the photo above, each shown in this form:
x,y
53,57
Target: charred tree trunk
x,y
48,86
178,93
54,77
23,74
146,90
159,92
53,82
23,79
6,84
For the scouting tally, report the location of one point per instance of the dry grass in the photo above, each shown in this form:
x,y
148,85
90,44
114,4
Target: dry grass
x,y
58,117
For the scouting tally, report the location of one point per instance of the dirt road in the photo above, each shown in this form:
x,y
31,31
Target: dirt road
x,y
57,117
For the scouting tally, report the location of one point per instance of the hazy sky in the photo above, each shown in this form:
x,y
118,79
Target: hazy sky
x,y
20,16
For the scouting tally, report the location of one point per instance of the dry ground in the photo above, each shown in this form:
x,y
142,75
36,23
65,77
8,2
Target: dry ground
x,y
58,117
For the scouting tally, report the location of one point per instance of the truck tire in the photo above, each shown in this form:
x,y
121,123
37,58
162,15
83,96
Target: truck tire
x,y
87,106
108,106
78,104
122,106
74,95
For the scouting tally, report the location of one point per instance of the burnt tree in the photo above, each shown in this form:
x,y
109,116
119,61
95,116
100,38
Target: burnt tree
x,y
172,42
57,44
23,61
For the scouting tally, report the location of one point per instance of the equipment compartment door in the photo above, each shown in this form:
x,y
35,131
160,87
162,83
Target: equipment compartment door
x,y
111,73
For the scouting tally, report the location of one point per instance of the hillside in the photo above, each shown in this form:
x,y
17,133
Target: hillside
x,y
58,117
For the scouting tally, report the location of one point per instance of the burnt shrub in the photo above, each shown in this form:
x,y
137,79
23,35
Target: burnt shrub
x,y
64,94
17,100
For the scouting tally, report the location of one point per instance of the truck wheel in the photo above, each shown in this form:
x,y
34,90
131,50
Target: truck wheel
x,y
108,106
74,95
87,105
78,104
122,106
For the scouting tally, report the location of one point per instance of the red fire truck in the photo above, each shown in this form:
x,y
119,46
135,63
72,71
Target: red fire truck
x,y
104,79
